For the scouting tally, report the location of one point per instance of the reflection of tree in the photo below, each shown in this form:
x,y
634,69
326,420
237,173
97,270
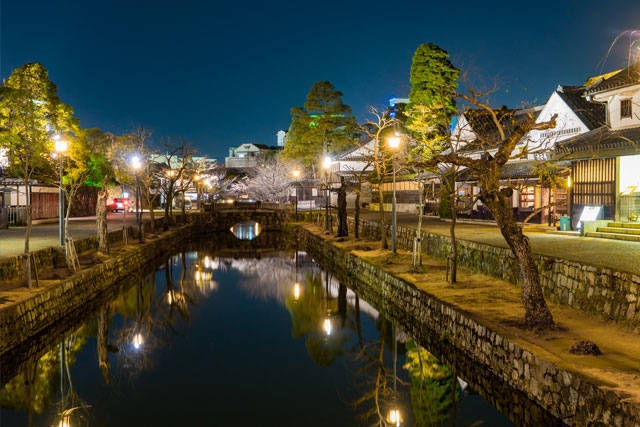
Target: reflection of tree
x,y
310,311
33,389
433,385
378,394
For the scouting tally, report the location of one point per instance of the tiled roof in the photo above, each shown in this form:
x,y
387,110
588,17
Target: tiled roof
x,y
515,170
592,114
627,77
601,140
483,126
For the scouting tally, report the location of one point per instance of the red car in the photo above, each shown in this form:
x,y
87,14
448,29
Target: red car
x,y
119,205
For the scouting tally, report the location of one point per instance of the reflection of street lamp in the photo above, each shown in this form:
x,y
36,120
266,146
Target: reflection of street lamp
x,y
296,174
326,164
327,325
136,165
394,143
296,291
137,341
65,421
61,148
394,417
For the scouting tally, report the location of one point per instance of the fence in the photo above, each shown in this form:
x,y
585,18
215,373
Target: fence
x,y
4,217
16,215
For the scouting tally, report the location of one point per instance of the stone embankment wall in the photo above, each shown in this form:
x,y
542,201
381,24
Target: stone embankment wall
x,y
11,269
609,294
50,304
566,395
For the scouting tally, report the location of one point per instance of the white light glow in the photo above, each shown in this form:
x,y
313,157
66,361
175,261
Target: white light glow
x,y
61,145
326,163
394,142
296,291
327,326
394,417
135,162
137,341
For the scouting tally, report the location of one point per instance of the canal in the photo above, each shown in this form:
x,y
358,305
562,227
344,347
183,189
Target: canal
x,y
230,333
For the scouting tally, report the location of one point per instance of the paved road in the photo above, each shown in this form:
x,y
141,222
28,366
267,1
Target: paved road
x,y
46,235
618,255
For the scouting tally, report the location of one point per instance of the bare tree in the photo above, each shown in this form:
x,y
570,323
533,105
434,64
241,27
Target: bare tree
x,y
377,129
508,143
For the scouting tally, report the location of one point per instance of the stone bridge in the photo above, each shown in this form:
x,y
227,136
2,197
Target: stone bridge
x,y
223,217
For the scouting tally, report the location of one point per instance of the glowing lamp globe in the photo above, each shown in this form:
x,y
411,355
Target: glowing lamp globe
x,y
61,145
394,142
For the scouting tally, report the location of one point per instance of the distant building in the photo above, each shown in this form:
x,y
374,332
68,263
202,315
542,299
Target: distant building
x,y
249,155
282,137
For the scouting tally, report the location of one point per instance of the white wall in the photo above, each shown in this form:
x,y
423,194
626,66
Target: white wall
x,y
613,98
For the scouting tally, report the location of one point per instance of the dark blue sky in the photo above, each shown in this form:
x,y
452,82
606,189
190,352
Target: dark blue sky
x,y
222,73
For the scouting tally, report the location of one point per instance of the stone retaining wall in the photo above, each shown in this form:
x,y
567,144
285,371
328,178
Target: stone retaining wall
x,y
609,294
53,303
11,269
567,395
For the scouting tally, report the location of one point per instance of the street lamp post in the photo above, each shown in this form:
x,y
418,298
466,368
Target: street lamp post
x,y
135,163
296,174
394,143
326,163
61,148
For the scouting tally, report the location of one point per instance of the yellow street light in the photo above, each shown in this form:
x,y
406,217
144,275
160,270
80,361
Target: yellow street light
x,y
394,142
296,173
61,145
569,181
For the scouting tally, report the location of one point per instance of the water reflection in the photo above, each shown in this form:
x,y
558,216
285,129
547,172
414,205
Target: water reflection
x,y
247,230
239,330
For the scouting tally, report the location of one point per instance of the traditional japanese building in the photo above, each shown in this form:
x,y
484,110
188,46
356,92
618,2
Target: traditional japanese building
x,y
605,162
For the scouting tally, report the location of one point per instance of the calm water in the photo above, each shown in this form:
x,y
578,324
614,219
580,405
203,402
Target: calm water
x,y
239,338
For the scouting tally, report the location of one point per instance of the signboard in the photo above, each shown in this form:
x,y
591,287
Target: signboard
x,y
589,213
629,190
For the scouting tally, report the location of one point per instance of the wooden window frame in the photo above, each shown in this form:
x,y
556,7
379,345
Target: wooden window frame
x,y
626,108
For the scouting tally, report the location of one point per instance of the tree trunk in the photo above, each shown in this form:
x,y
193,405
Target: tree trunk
x,y
102,342
537,313
421,202
101,218
26,263
356,217
454,244
383,221
182,210
167,202
343,228
152,217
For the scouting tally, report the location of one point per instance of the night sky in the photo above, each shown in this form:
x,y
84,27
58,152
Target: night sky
x,y
223,73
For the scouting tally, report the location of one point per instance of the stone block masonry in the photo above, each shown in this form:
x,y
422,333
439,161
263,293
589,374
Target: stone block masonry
x,y
50,304
567,395
603,292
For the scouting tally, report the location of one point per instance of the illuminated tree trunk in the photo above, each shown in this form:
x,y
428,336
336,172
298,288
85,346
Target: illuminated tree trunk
x,y
537,313
101,218
343,228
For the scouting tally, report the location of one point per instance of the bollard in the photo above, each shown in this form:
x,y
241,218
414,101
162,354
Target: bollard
x,y
125,236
